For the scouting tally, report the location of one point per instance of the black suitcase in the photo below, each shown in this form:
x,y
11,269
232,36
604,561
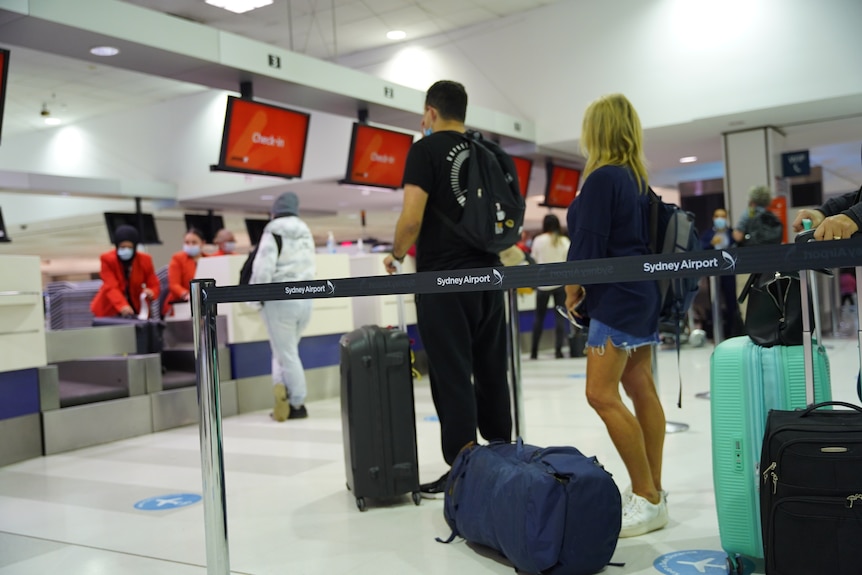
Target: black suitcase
x,y
377,414
149,336
811,483
811,491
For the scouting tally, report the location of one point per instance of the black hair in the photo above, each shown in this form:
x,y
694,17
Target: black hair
x,y
551,223
449,99
198,233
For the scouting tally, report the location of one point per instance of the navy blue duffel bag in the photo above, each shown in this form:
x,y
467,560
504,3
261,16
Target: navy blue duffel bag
x,y
547,510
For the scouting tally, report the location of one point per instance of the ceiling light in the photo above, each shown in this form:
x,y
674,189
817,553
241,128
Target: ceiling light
x,y
52,121
688,159
396,34
239,6
104,51
267,198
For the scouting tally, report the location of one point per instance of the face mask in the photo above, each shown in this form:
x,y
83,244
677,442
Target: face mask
x,y
719,223
427,132
125,254
191,251
229,247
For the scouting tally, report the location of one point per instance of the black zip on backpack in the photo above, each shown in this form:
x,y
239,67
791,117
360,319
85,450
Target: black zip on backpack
x,y
493,215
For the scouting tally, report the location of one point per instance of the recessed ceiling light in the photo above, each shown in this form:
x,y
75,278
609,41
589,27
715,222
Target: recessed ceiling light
x,y
396,34
267,198
52,121
688,159
239,6
104,51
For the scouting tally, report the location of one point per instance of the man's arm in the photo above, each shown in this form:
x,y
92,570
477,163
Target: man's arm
x,y
409,224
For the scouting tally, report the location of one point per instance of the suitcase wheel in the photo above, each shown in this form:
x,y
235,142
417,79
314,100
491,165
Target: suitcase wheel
x,y
417,497
735,565
360,504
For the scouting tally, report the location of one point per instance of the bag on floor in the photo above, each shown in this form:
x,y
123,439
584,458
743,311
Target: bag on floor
x,y
552,511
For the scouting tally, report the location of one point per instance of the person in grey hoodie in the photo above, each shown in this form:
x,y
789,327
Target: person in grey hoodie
x,y
287,260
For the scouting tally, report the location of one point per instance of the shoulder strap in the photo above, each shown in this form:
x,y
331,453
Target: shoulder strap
x,y
654,201
278,242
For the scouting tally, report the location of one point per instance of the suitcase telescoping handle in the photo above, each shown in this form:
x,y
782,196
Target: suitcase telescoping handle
x,y
399,302
807,347
817,406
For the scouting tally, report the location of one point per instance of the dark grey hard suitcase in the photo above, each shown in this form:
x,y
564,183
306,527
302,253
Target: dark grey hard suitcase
x,y
377,414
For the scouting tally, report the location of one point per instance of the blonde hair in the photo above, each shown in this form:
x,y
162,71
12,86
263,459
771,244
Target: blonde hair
x,y
612,135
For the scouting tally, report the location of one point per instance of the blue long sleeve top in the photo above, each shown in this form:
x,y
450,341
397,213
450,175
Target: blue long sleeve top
x,y
610,218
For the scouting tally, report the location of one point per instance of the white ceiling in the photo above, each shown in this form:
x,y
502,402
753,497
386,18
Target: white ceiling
x,y
327,29
76,89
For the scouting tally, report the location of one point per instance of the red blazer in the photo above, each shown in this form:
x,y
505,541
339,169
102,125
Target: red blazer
x,y
181,272
111,297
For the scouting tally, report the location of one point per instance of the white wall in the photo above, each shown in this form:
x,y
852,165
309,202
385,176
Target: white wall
x,y
677,60
172,142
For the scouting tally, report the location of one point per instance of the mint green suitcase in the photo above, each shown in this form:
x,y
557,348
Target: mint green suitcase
x,y
746,381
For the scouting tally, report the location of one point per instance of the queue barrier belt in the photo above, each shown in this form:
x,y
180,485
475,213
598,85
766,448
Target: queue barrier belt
x,y
754,259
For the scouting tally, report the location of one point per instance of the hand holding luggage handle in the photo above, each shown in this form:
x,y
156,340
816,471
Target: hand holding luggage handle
x,y
806,278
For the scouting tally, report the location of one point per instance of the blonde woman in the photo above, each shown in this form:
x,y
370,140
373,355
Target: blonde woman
x,y
609,218
551,246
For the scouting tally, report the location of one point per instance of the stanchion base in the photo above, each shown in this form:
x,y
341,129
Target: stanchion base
x,y
674,427
702,395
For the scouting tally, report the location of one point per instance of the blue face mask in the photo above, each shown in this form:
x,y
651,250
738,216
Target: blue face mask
x,y
191,251
719,223
427,132
125,254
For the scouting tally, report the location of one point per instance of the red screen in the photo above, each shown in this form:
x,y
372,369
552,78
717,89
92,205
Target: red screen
x,y
562,186
4,71
263,139
524,167
377,156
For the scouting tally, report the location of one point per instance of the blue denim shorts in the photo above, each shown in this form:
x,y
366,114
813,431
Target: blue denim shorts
x,y
599,333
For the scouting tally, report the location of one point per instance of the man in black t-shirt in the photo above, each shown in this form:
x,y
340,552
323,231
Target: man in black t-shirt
x,y
464,333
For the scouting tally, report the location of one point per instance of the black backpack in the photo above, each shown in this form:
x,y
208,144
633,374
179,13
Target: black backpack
x,y
763,228
493,215
672,231
245,272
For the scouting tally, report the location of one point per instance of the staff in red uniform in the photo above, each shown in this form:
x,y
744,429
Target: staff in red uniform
x,y
124,272
181,270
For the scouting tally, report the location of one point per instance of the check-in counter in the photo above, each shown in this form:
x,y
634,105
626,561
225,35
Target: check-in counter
x,y
22,353
248,340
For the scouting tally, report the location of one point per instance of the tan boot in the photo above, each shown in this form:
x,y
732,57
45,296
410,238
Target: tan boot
x,y
282,407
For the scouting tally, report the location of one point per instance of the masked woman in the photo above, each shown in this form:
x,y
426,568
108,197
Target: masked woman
x,y
126,274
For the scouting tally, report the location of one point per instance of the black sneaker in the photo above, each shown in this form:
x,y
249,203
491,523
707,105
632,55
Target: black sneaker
x,y
298,412
435,489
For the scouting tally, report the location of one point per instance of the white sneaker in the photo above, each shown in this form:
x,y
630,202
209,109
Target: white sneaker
x,y
640,516
627,494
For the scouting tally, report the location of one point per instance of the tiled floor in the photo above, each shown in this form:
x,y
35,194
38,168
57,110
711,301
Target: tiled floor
x,y
289,512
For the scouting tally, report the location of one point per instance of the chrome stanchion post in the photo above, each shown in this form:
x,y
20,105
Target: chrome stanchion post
x,y
212,462
515,363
